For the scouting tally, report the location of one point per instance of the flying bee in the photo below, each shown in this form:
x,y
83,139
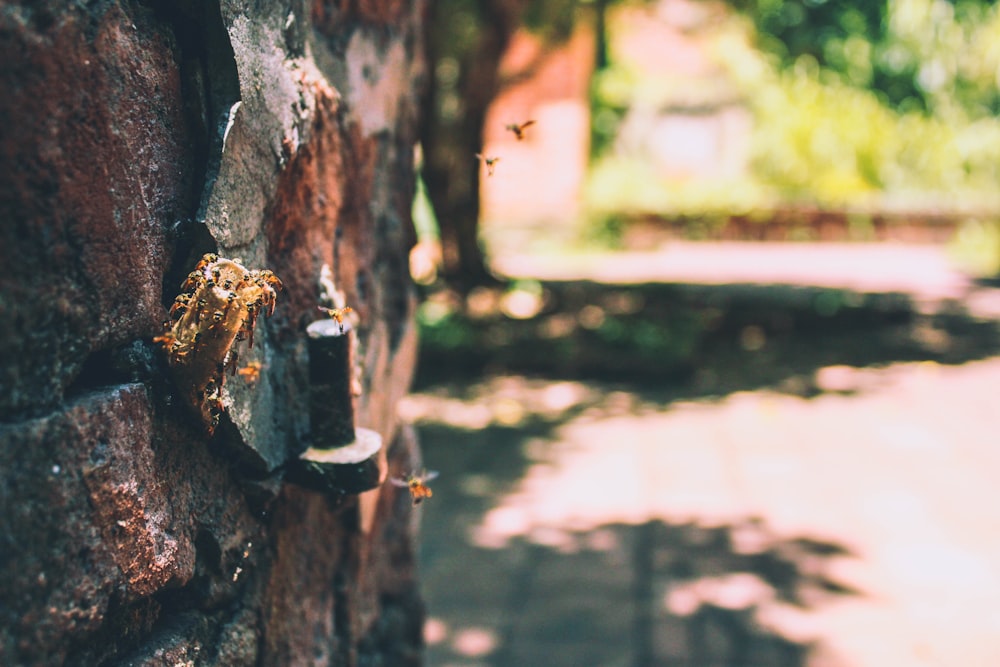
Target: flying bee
x,y
337,314
519,128
251,372
491,162
417,485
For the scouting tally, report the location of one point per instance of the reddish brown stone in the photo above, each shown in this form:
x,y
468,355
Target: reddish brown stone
x,y
88,520
131,536
95,172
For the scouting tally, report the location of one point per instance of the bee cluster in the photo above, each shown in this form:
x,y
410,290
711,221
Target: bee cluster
x,y
219,304
217,308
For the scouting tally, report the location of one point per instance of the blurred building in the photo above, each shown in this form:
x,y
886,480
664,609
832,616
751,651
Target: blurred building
x,y
540,176
688,124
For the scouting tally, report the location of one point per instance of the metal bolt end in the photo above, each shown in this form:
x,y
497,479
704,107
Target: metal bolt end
x,y
349,469
331,409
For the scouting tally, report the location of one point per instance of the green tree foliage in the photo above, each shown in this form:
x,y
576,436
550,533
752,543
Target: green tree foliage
x,y
917,54
878,102
855,105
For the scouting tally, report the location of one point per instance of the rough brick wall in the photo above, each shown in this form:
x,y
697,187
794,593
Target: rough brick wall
x,y
135,136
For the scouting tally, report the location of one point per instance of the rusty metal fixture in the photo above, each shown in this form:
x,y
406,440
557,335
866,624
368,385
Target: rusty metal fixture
x,y
343,459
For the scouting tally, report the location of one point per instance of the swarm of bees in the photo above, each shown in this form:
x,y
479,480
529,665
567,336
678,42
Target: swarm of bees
x,y
337,314
218,306
417,485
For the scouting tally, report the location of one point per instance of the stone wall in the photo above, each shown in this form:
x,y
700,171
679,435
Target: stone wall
x,y
134,137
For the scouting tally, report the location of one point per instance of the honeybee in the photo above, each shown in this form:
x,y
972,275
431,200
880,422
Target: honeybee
x,y
269,278
251,372
518,128
491,162
193,281
167,340
337,314
180,305
206,259
417,484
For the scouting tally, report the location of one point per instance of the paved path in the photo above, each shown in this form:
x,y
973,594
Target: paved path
x,y
923,271
587,525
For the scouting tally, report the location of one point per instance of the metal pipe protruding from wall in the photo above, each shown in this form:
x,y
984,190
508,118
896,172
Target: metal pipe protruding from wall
x,y
331,406
342,459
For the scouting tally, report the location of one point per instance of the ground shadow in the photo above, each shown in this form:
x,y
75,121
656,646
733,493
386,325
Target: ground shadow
x,y
659,592
697,339
664,590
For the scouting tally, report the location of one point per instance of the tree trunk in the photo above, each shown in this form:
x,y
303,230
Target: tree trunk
x,y
458,97
137,136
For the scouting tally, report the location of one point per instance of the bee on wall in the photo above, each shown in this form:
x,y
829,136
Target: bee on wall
x,y
217,308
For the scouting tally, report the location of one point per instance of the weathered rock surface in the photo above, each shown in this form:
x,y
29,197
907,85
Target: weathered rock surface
x,y
135,137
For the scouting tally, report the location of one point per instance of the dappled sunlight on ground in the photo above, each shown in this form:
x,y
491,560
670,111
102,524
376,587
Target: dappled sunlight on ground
x,y
815,490
503,400
757,317
922,270
586,524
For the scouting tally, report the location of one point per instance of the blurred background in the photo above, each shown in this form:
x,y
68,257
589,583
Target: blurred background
x,y
711,347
